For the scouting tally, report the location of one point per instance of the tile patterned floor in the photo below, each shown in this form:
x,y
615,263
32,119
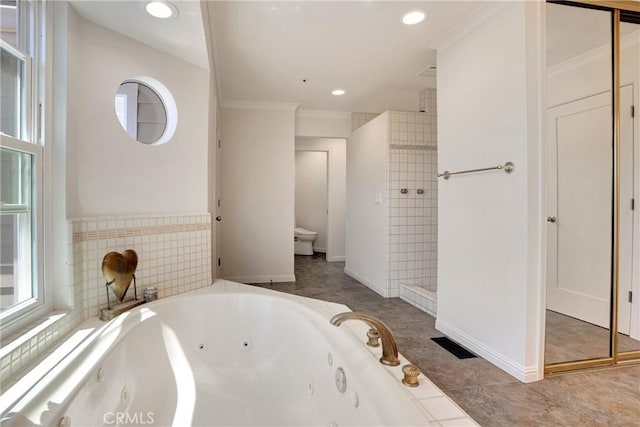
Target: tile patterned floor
x,y
608,397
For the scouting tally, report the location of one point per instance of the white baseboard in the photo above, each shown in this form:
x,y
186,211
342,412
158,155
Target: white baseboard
x,y
368,284
526,374
320,250
336,258
262,279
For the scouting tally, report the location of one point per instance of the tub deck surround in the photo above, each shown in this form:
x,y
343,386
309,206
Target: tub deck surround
x,y
230,354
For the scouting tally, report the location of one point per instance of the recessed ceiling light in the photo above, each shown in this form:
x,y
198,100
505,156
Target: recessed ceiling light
x,y
161,9
337,92
414,17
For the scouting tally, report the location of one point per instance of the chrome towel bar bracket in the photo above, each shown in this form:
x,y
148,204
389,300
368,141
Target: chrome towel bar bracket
x,y
507,167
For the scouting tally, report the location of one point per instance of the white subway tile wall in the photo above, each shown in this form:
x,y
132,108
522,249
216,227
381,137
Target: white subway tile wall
x,y
412,219
358,119
174,255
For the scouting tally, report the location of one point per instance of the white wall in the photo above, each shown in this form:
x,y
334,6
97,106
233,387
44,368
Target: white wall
x,y
84,138
366,229
108,172
311,204
337,204
324,124
257,189
490,224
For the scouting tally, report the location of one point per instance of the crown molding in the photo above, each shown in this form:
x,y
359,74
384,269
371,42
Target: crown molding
x,y
629,41
467,26
262,105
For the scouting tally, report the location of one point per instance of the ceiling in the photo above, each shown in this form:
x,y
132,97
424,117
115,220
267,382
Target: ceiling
x,y
182,37
264,50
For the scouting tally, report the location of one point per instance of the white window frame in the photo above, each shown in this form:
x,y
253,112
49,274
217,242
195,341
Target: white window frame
x,y
31,141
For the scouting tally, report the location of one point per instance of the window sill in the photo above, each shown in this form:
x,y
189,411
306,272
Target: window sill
x,y
22,348
27,333
39,360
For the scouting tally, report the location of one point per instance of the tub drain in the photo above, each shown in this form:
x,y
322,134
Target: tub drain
x,y
246,344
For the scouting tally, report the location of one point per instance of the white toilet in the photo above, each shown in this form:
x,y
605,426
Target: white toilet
x,y
303,241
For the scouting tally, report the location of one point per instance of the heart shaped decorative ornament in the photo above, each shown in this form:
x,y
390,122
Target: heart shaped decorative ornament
x,y
119,269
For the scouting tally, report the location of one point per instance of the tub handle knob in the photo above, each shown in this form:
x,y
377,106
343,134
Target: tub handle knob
x,y
411,373
374,336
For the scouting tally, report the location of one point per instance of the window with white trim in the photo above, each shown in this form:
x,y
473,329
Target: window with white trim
x,y
21,154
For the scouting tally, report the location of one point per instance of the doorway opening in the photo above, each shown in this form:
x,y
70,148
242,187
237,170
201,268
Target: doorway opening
x,y
320,193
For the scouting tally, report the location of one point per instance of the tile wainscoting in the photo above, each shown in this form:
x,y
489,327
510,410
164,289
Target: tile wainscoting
x,y
174,254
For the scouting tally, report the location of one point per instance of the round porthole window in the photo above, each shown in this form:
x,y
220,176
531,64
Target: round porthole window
x,y
146,110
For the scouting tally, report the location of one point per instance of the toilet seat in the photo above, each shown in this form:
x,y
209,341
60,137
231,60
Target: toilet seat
x,y
303,232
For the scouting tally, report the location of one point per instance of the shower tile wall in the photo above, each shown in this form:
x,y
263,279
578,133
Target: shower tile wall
x,y
412,219
358,119
427,101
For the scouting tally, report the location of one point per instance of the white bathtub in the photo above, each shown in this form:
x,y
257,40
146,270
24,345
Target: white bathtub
x,y
228,354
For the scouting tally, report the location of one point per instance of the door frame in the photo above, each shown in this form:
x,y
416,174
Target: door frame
x,y
329,252
328,187
218,198
635,279
306,143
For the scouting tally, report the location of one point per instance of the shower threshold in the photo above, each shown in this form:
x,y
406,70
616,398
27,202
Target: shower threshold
x,y
420,297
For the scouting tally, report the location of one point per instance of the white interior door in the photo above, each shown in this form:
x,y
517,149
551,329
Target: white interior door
x,y
579,206
579,270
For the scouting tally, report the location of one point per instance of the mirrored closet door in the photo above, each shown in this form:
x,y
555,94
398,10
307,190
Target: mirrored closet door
x,y
592,178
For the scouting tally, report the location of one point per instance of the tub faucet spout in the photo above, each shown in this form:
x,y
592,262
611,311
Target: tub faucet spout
x,y
389,346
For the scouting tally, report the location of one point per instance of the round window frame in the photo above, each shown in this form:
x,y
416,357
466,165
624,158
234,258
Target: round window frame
x,y
168,103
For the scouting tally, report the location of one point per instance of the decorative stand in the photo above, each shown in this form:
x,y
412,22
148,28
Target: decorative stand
x,y
119,270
